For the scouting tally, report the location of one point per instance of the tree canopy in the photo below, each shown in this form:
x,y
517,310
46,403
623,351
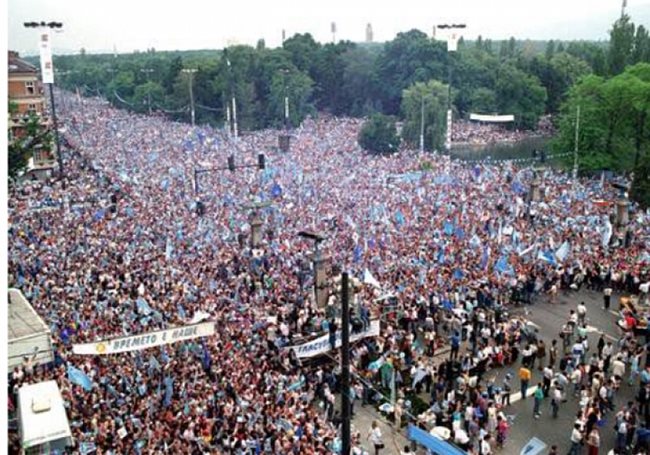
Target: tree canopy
x,y
521,77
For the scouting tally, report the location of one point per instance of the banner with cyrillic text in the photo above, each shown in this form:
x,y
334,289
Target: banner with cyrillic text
x,y
145,340
322,344
47,68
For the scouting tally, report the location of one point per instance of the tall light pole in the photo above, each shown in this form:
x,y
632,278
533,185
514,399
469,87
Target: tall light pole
x,y
47,77
284,139
191,72
422,124
575,149
345,364
148,71
284,72
232,94
451,47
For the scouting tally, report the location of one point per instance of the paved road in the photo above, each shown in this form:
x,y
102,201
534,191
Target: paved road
x,y
549,318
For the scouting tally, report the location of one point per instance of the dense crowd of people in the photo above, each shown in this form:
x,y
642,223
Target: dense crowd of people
x,y
466,132
121,249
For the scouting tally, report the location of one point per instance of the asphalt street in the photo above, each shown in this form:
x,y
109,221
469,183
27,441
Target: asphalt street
x,y
549,319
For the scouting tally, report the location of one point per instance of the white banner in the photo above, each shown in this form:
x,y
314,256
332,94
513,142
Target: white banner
x,y
322,344
145,340
492,118
47,68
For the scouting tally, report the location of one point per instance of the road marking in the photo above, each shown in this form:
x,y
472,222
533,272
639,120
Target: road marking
x,y
592,329
517,396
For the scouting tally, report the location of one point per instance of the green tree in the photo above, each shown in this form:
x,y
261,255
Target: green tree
x,y
298,88
303,51
411,57
484,101
550,49
360,81
621,41
640,191
614,119
379,135
148,94
432,96
173,70
521,95
639,87
641,48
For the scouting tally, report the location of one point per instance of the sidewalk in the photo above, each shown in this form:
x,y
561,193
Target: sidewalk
x,y
394,441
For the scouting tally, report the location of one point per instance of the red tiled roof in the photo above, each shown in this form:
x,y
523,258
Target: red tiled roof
x,y
18,65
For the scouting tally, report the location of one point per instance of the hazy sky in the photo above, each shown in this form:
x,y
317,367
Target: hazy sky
x,y
99,25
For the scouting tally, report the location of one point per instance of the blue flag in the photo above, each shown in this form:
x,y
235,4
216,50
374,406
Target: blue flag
x,y
78,377
517,187
99,214
276,190
169,391
502,265
357,253
206,360
448,228
399,218
484,257
143,306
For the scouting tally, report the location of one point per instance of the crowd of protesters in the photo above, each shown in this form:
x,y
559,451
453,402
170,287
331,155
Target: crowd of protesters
x,y
466,132
131,243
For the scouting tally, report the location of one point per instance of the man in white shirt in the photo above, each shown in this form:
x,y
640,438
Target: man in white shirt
x,y
618,367
582,313
576,437
486,449
461,438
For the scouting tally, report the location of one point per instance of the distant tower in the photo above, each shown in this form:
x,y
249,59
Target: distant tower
x,y
284,35
369,33
433,33
623,8
333,29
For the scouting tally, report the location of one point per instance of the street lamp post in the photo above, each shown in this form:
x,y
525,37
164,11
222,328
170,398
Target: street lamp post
x,y
191,72
284,72
451,47
47,75
284,139
232,94
320,262
148,71
345,364
575,149
422,124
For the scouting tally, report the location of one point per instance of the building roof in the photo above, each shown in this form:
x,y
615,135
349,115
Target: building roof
x,y
23,319
29,336
18,65
50,423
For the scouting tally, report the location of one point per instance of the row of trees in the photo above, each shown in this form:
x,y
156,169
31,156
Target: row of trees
x,y
523,78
